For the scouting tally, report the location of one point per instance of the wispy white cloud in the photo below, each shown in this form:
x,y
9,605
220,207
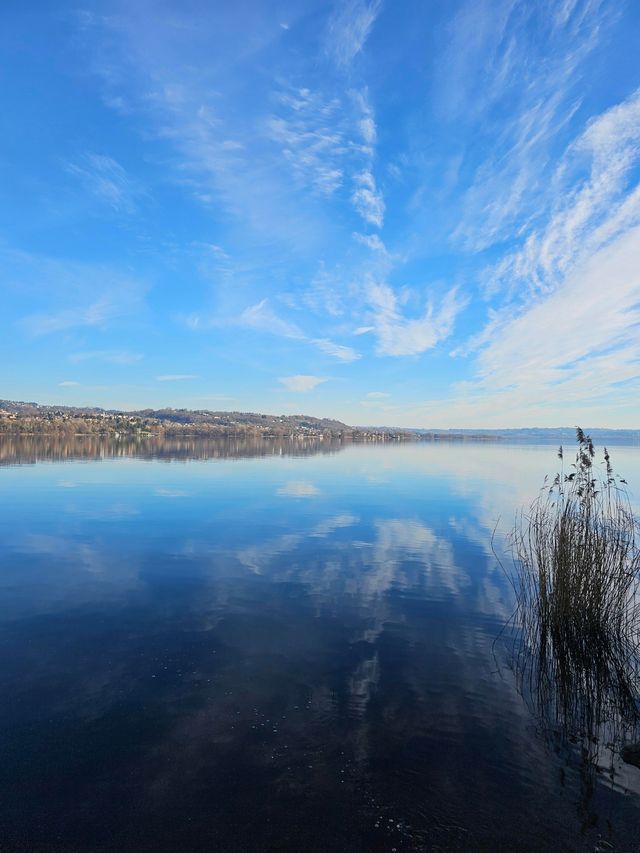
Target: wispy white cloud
x,y
399,335
563,12
70,294
476,61
365,121
506,186
123,357
367,199
342,353
367,126
220,154
105,178
312,136
349,28
262,317
565,337
511,75
580,343
570,362
68,383
489,59
223,155
175,377
377,395
595,197
325,295
371,241
96,314
328,142
276,176
301,382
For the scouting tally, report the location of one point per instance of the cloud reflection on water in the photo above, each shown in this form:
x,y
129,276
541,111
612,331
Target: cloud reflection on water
x,y
257,653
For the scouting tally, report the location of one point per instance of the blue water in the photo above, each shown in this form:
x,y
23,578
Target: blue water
x,y
216,647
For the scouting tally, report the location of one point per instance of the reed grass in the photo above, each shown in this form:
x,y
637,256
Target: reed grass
x,y
577,581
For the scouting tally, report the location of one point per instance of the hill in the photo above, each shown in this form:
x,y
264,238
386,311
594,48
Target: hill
x,y
35,418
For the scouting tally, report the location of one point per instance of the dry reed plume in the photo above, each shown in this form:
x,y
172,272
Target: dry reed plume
x,y
577,581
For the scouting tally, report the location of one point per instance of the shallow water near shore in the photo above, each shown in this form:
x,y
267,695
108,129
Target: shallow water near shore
x,y
277,646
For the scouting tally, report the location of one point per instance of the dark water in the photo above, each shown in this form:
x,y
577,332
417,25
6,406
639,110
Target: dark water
x,y
247,646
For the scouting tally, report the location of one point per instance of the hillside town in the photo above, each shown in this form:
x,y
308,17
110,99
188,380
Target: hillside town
x,y
17,418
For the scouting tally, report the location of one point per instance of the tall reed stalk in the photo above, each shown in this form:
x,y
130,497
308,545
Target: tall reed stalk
x,y
577,582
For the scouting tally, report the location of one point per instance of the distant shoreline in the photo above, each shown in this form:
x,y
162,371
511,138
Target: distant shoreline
x,y
19,418
354,435
26,418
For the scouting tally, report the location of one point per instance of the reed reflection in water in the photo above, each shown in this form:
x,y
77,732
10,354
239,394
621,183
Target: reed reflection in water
x,y
577,621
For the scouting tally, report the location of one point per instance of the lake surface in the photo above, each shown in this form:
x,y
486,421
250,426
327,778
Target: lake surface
x,y
252,646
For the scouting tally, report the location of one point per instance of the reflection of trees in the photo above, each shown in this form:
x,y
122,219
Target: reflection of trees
x,y
29,449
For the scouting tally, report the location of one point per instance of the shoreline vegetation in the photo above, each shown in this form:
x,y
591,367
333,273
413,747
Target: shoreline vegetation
x,y
576,578
17,418
26,418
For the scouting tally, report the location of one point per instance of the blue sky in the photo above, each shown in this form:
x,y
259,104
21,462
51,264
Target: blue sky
x,y
409,213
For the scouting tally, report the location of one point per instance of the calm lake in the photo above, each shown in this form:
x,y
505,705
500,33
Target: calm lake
x,y
254,646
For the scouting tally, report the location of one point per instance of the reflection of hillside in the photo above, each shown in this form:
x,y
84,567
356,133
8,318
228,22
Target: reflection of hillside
x,y
30,449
